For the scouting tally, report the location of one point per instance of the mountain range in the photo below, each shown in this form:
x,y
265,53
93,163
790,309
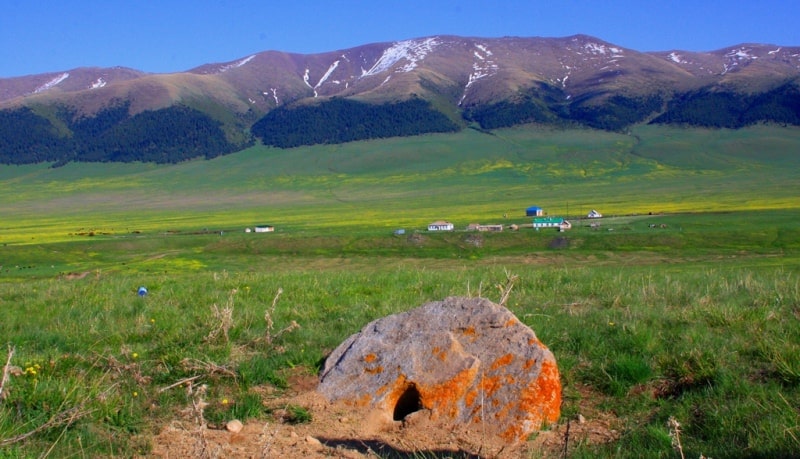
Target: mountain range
x,y
411,87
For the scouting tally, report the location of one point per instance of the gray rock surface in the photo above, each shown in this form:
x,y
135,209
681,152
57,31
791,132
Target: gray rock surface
x,y
460,360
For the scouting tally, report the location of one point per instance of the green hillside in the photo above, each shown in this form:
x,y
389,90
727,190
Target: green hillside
x,y
463,177
682,305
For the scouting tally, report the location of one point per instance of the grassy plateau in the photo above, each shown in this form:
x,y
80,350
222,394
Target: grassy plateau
x,y
682,304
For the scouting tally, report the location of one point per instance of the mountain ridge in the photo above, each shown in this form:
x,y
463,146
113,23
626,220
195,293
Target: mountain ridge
x,y
316,72
494,82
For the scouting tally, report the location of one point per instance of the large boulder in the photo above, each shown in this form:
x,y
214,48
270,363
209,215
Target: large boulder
x,y
461,360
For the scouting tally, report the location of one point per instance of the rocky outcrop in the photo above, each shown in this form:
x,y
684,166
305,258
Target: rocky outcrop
x,y
461,360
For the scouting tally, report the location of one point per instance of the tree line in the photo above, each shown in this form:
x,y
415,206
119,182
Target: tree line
x,y
168,135
720,108
342,120
180,133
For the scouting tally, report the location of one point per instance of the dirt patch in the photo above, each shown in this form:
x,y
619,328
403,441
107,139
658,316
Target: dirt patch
x,y
416,239
342,431
75,276
475,240
559,243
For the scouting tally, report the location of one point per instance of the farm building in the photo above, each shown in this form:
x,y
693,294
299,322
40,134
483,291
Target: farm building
x,y
265,229
440,225
551,222
534,211
594,214
479,227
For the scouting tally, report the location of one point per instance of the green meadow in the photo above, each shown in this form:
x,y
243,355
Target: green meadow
x,y
682,303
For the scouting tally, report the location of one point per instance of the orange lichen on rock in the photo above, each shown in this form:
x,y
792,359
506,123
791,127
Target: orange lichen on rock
x,y
489,384
395,390
511,322
443,398
502,361
381,390
375,369
438,352
546,392
369,358
542,398
470,397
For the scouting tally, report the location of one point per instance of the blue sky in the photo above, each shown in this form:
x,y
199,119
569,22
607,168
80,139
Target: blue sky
x,y
161,36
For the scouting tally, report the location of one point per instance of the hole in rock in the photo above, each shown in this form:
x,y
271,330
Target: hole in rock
x,y
408,403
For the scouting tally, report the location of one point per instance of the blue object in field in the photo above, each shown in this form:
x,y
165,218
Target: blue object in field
x,y
142,291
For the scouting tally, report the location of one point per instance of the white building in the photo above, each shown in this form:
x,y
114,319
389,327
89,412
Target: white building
x,y
440,225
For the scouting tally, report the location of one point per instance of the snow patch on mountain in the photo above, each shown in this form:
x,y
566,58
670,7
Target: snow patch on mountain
x,y
412,51
99,83
737,56
327,74
234,65
483,66
676,58
591,54
568,72
52,83
741,54
274,92
599,49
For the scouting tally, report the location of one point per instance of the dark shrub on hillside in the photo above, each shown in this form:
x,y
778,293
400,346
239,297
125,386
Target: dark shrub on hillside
x,y
168,135
780,105
93,126
539,104
725,109
341,120
615,113
27,138
707,108
546,104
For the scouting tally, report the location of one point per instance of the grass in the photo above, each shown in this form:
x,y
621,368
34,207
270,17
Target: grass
x,y
408,182
682,305
714,347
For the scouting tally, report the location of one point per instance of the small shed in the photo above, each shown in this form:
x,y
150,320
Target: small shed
x,y
265,229
534,211
594,214
489,227
440,225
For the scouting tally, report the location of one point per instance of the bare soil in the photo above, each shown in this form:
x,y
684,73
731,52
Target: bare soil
x,y
342,431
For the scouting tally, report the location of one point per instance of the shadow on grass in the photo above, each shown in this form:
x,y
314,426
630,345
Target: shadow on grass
x,y
386,451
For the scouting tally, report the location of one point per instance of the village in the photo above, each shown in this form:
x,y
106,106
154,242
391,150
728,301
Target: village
x,y
539,221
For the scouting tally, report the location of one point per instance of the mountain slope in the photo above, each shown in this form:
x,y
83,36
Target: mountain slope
x,y
492,82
